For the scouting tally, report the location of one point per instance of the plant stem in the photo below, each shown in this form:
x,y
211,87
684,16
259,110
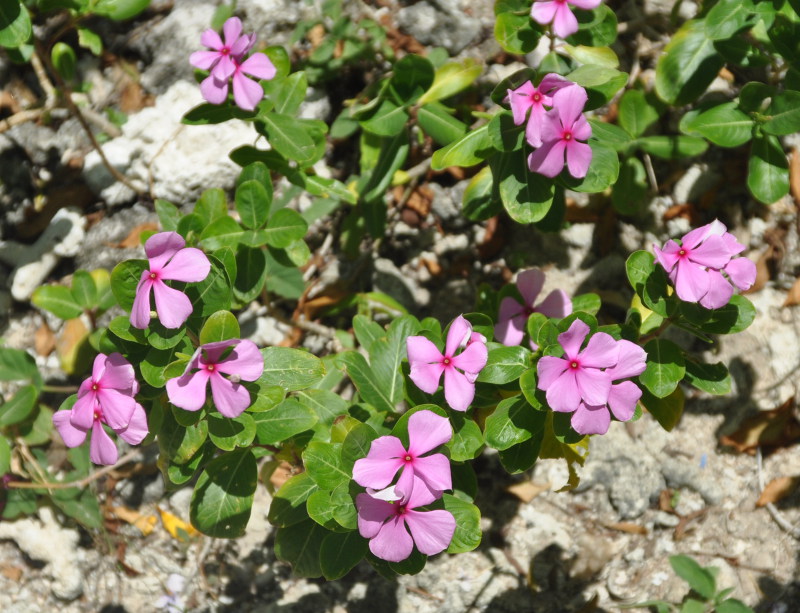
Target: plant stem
x,y
60,485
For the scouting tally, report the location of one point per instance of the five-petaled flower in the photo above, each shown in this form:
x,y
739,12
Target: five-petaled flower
x,y
460,370
534,99
560,14
579,375
387,525
695,266
240,359
169,261
107,397
426,431
562,127
226,60
513,316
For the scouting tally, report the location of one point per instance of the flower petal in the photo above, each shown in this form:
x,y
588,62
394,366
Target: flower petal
x,y
691,281
393,542
458,390
245,361
426,376
117,407
232,29
622,399
432,530
420,349
118,373
581,129
426,431
457,336
563,394
742,272
231,399
601,352
557,304
190,265
224,69
434,470
591,420
472,359
173,306
140,312
204,60
586,5
520,101
631,362
102,450
246,92
565,23
544,12
552,81
376,473
160,247
579,156
214,90
569,101
82,413
668,256
258,65
719,291
549,368
530,283
372,513
573,338
535,125
713,253
137,428
593,385
72,436
209,38
548,160
188,391
510,332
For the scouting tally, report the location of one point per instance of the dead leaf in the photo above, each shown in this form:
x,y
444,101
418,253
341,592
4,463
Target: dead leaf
x,y
44,341
626,526
11,572
777,489
683,524
494,240
74,351
762,271
793,297
316,35
794,175
177,528
420,201
767,429
145,523
280,474
528,490
134,238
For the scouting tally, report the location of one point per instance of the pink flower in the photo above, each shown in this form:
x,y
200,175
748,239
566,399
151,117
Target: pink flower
x,y
563,126
579,375
387,525
460,371
169,261
209,363
513,316
622,397
695,266
107,397
527,97
226,60
559,13
426,431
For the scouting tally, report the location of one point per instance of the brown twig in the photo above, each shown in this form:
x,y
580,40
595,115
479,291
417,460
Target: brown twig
x,y
60,485
779,519
21,117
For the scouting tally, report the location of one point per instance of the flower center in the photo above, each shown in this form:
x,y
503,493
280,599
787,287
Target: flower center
x,y
225,51
446,361
567,136
682,252
98,415
574,365
211,367
537,97
401,509
407,458
95,387
153,276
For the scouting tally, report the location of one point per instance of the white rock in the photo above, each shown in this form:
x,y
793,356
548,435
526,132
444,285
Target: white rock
x,y
45,540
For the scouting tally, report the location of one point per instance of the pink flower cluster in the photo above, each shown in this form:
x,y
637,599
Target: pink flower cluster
x,y
105,398
226,62
558,13
387,513
240,359
554,111
513,316
460,368
590,383
696,265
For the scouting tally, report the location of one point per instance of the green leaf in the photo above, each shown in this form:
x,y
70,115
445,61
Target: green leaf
x,y
289,93
222,232
300,545
515,33
391,156
18,365
367,331
504,134
636,114
119,10
286,281
387,353
387,119
220,326
288,505
158,336
753,94
474,147
223,496
698,578
327,405
734,317
596,28
229,433
521,457
512,422
291,369
478,202
666,367
285,227
505,364
213,293
63,58
284,421
711,378
124,280
724,125
468,524
687,65
15,23
526,196
20,407
322,462
59,300
5,454
648,281
768,174
727,17
603,170
784,114
731,605
452,78
667,411
371,388
168,215
178,443
631,188
436,121
601,83
672,147
610,135
80,504
210,114
251,267
467,441
252,203
154,365
287,137
90,40
340,552
38,429
412,76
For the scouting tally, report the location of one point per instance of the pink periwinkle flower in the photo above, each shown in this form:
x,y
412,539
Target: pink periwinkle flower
x,y
460,370
559,13
579,376
209,363
622,397
534,99
226,61
169,261
696,266
107,397
513,316
563,126
387,525
426,431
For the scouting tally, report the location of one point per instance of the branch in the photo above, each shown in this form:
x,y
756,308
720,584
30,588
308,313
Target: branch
x,y
61,485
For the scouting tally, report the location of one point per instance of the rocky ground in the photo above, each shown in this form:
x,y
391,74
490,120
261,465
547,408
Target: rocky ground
x,y
644,495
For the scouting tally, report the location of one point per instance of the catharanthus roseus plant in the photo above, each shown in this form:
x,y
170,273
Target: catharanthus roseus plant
x,y
559,14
